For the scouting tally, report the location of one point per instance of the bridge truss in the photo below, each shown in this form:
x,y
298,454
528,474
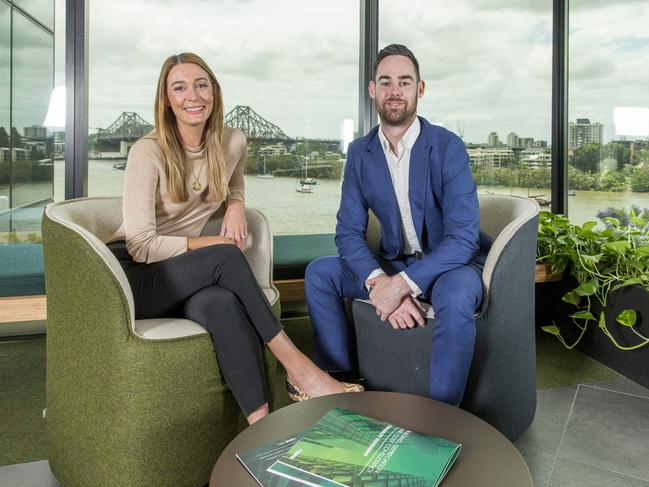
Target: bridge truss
x,y
253,125
128,126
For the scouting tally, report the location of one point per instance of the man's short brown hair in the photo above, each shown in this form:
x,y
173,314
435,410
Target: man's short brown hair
x,y
395,50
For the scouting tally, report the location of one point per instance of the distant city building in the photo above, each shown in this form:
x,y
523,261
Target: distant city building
x,y
512,140
35,132
59,144
540,144
35,146
273,150
526,142
490,157
17,154
536,158
493,141
583,132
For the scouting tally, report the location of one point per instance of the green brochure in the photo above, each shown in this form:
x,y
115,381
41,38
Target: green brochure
x,y
258,460
345,449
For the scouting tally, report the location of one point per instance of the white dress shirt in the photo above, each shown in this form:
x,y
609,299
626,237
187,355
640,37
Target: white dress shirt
x,y
399,165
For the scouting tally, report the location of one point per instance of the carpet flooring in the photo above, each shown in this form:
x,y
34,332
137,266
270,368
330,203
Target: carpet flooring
x,y
22,385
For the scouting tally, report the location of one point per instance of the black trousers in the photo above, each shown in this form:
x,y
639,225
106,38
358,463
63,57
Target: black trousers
x,y
215,287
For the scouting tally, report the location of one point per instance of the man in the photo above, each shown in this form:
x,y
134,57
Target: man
x,y
415,178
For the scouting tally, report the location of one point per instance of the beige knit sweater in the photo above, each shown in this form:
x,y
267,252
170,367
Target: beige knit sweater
x,y
154,227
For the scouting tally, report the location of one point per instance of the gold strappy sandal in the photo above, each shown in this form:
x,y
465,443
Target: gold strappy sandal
x,y
298,395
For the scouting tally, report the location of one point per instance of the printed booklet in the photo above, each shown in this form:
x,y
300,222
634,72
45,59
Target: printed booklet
x,y
345,448
258,460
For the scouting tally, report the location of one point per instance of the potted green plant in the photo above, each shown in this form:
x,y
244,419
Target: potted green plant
x,y
607,266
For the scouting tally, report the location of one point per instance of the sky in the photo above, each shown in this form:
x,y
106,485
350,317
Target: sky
x,y
486,63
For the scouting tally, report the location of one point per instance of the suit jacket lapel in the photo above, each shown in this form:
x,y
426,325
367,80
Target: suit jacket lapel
x,y
381,177
418,180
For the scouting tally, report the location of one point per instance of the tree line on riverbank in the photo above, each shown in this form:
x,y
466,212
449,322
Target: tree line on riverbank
x,y
591,167
634,178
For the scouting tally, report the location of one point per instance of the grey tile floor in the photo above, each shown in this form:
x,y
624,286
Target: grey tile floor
x,y
588,435
594,435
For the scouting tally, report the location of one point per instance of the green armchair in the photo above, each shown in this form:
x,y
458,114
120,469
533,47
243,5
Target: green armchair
x,y
130,402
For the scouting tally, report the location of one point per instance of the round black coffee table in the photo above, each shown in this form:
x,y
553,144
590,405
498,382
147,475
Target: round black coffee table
x,y
487,458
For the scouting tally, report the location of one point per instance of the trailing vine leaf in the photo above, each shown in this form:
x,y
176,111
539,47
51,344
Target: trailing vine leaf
x,y
572,298
601,261
583,315
642,251
619,246
592,258
602,320
552,330
627,317
588,288
628,282
558,268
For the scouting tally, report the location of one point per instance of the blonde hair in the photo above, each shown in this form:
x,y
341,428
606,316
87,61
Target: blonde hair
x,y
170,141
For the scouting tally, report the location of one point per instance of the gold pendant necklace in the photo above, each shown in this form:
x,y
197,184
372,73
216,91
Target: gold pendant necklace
x,y
196,185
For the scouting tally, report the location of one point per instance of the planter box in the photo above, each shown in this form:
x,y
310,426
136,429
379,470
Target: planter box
x,y
633,364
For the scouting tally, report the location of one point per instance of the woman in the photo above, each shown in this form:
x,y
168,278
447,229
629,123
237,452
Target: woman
x,y
177,176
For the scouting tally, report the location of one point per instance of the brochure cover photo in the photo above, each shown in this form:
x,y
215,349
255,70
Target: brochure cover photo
x,y
258,460
345,449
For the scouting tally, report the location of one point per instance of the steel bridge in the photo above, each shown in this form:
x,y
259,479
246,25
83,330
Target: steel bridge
x,y
129,126
253,125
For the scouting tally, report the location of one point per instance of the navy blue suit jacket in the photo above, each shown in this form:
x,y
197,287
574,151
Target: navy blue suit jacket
x,y
443,202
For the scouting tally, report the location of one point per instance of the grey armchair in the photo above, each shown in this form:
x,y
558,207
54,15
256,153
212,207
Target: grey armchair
x,y
501,388
129,402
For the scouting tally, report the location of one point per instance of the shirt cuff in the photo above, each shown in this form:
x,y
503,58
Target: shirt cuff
x,y
376,272
414,289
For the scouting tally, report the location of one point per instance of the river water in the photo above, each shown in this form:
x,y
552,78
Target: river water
x,y
291,212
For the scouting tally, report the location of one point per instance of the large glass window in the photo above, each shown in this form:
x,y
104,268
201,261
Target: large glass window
x,y
487,65
26,168
608,109
58,133
5,97
289,73
33,67
41,10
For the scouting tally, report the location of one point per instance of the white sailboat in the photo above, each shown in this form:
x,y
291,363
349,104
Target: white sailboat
x,y
305,188
306,179
265,175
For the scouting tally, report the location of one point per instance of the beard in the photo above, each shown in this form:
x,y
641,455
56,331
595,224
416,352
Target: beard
x,y
396,116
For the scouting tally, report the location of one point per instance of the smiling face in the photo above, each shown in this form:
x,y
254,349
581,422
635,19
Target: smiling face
x,y
190,95
396,90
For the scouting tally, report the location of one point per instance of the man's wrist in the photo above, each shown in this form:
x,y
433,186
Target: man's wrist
x,y
374,276
403,288
414,289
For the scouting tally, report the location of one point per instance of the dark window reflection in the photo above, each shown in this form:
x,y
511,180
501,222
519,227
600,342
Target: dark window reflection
x,y
32,182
